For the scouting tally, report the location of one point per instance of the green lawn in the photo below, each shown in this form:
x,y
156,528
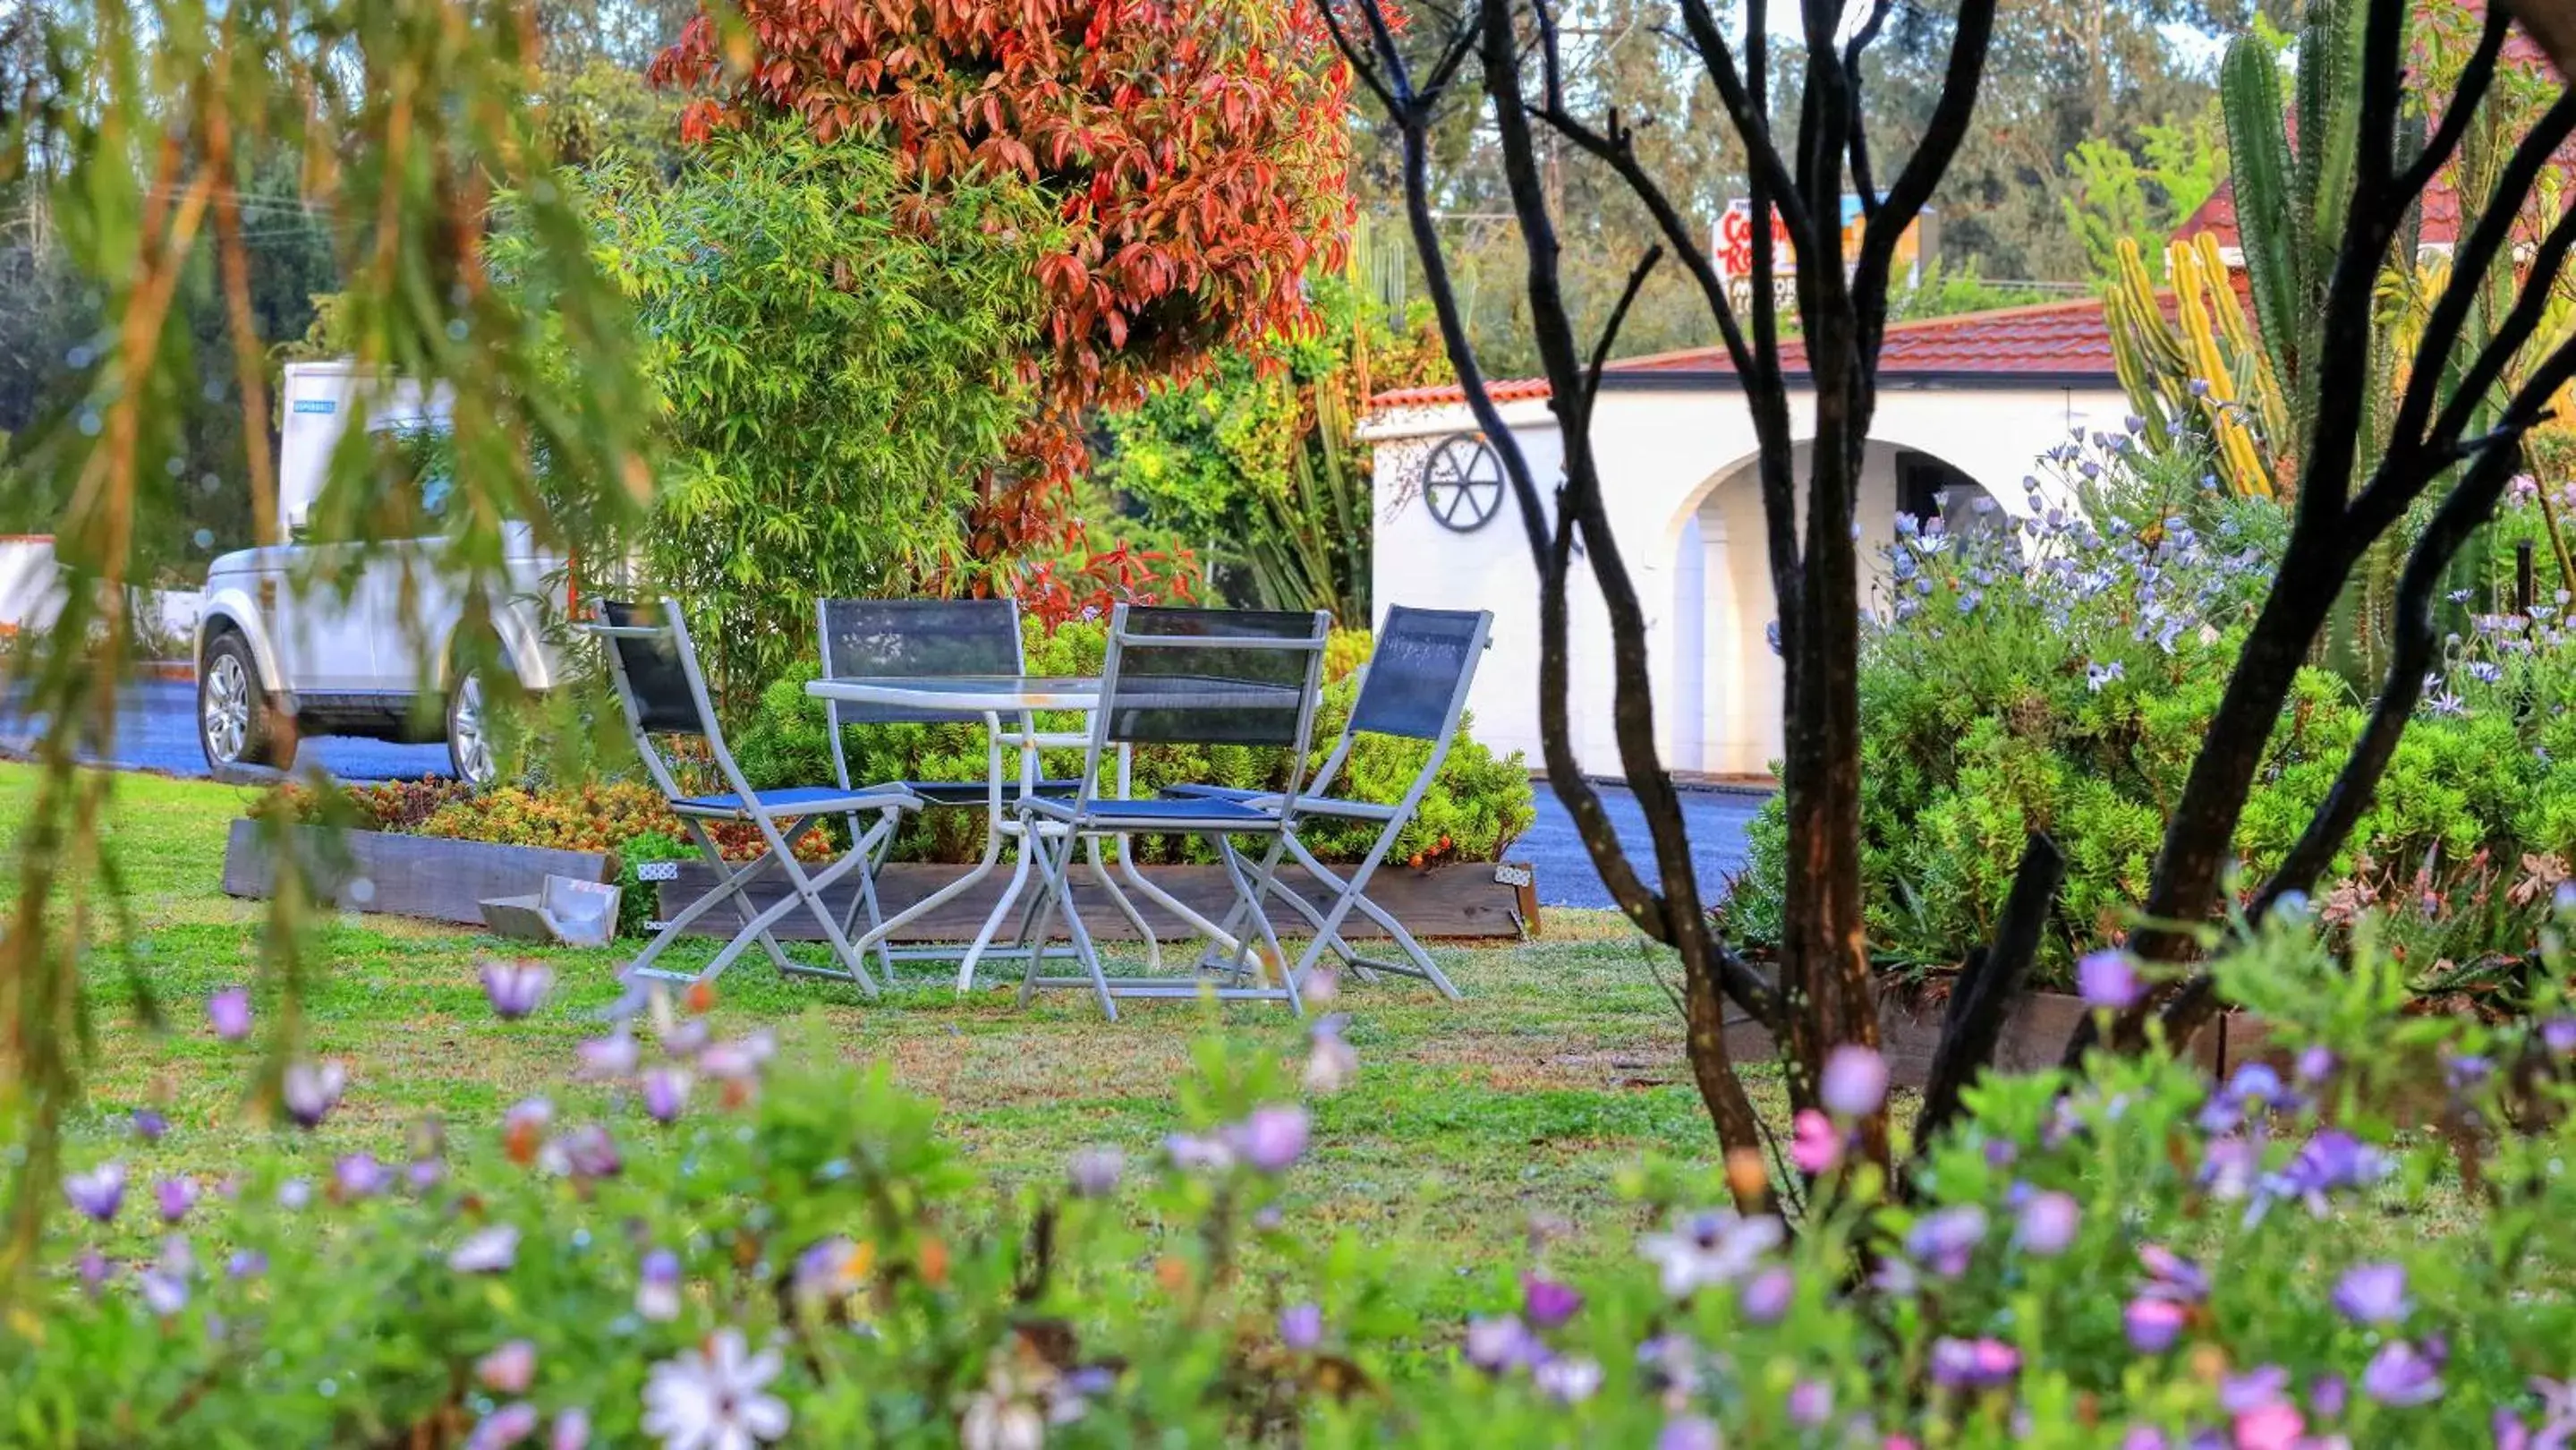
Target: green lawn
x,y
1561,1068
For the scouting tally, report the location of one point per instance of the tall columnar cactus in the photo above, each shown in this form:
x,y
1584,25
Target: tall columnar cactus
x,y
2202,373
2290,201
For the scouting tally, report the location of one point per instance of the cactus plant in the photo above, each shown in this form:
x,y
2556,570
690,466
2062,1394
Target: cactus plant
x,y
2201,374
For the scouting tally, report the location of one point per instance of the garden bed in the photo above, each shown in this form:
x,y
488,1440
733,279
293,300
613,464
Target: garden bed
x,y
435,878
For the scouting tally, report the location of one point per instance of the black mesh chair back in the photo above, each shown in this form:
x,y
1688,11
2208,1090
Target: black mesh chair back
x,y
650,671
1211,676
1423,658
911,638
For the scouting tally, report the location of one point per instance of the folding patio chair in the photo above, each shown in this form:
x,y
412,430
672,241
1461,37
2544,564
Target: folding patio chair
x,y
1187,677
1414,687
916,638
654,667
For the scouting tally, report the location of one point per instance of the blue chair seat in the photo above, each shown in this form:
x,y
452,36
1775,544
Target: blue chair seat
x,y
803,800
975,793
1307,805
1167,813
1216,792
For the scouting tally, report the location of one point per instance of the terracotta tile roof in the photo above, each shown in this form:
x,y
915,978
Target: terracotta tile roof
x,y
1506,390
2055,341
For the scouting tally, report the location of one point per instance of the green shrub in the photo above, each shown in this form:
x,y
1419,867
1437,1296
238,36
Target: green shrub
x,y
1477,805
836,358
2061,675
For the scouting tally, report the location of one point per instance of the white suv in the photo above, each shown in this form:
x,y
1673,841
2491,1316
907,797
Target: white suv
x,y
280,652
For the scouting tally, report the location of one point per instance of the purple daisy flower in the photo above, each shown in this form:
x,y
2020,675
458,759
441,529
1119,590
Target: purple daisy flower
x,y
1496,1345
358,1175
2372,1294
1945,1240
1270,1139
311,1090
1978,1364
1854,1082
1766,1297
1545,1303
1301,1327
1811,1403
173,1197
97,1193
614,1055
2108,979
666,1094
487,1251
2048,1223
149,1125
657,1287
515,989
2153,1325
228,1012
1095,1171
2401,1375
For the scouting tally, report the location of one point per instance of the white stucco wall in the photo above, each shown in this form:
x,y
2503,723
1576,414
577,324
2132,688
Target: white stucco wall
x,y
1675,469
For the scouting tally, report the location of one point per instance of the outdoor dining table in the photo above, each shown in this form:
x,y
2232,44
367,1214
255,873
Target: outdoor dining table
x,y
1021,697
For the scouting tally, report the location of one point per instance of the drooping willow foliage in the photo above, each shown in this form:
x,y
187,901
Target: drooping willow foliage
x,y
411,125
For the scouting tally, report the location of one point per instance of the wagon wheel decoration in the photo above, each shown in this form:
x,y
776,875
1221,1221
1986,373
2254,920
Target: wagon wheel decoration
x,y
1462,482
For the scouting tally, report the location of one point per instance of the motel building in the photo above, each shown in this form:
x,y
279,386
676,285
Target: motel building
x,y
1966,406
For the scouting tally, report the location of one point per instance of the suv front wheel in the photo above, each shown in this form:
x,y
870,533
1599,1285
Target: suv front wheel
x,y
236,726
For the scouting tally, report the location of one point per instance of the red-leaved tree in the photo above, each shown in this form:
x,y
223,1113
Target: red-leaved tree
x,y
1196,148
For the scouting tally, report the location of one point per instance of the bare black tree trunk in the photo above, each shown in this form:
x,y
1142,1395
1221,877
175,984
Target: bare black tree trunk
x,y
1823,997
2430,441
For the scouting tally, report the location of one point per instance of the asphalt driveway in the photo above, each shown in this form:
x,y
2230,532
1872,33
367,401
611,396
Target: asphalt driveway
x,y
158,731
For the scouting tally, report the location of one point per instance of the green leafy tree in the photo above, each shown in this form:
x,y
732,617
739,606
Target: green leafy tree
x,y
2062,73
1255,466
835,355
2143,195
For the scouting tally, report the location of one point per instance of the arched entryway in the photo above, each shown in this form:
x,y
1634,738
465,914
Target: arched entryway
x,y
1725,712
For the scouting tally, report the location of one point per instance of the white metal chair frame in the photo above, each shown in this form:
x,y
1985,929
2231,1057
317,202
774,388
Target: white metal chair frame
x,y
647,719
1350,894
1001,826
1056,827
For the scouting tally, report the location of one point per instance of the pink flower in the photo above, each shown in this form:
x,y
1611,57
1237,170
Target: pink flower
x,y
2276,1426
1814,1145
508,1370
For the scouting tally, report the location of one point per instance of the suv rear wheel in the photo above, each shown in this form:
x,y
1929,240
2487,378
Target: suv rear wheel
x,y
236,726
469,733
